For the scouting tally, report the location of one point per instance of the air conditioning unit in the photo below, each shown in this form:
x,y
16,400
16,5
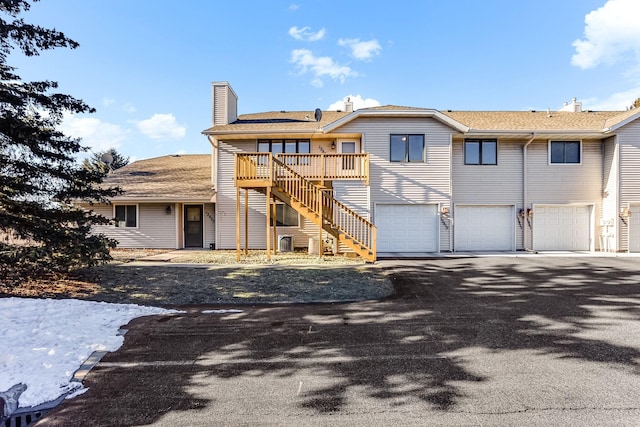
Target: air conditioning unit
x,y
285,243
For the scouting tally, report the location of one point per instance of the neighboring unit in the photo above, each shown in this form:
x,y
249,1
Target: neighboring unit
x,y
403,181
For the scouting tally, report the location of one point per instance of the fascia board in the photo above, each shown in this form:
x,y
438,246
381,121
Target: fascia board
x,y
397,113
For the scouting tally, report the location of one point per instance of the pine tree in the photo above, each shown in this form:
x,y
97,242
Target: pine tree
x,y
96,161
40,230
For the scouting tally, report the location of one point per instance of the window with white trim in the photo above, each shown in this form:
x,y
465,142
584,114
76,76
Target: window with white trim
x,y
565,152
126,216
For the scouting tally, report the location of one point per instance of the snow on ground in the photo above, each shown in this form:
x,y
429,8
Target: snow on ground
x,y
45,341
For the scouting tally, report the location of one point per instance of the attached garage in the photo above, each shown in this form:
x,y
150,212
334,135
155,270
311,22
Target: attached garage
x,y
484,228
562,227
634,228
407,228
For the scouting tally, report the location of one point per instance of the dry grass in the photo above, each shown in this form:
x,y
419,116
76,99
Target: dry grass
x,y
222,281
224,257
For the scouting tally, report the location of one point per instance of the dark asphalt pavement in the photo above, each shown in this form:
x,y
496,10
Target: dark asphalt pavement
x,y
464,341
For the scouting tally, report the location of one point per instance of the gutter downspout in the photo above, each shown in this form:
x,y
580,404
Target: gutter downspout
x,y
525,201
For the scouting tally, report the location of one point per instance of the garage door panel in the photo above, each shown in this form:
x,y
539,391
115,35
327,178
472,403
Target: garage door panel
x,y
407,228
562,228
484,228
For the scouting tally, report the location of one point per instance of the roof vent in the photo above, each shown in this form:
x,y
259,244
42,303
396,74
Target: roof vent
x,y
574,107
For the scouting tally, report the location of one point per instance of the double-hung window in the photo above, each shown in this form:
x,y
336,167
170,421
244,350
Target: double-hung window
x,y
407,148
480,152
126,216
564,152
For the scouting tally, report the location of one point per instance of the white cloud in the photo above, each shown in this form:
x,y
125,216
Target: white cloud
x,y
95,133
362,50
306,34
617,101
323,66
108,102
294,7
161,126
129,108
358,102
610,31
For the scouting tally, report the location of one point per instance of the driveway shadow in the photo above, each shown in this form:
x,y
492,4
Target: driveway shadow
x,y
405,351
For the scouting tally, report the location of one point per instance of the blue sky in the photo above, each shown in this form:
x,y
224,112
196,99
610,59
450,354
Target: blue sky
x,y
147,66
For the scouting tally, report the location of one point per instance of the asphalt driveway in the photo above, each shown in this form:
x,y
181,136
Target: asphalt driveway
x,y
470,341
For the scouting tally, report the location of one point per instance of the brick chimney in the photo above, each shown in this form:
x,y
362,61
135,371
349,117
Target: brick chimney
x,y
225,103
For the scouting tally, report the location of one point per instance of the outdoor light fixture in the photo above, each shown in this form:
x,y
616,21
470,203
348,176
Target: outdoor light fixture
x,y
444,210
168,210
333,145
530,213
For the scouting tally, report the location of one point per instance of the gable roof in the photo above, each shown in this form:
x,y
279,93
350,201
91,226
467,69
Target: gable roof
x,y
532,121
516,122
184,177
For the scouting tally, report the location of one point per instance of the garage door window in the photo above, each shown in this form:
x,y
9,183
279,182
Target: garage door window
x,y
407,148
564,152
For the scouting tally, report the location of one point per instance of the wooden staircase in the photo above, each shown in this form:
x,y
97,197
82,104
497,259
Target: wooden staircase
x,y
312,201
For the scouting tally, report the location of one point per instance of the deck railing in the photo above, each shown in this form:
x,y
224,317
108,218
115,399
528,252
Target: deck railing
x,y
321,200
315,167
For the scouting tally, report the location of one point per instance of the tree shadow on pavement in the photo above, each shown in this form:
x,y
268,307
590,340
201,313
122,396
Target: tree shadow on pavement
x,y
406,350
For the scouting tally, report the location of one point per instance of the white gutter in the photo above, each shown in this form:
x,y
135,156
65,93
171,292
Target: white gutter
x,y
524,189
214,161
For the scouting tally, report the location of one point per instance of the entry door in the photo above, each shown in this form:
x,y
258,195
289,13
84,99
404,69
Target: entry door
x,y
348,163
193,226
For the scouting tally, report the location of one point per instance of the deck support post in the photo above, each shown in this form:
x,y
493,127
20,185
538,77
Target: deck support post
x,y
268,223
238,224
274,220
320,242
246,221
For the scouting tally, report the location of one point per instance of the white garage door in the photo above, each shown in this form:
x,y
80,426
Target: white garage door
x,y
407,228
561,228
634,228
484,228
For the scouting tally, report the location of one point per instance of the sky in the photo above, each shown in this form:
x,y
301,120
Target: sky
x,y
147,66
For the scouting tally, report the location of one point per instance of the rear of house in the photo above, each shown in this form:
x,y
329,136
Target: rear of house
x,y
391,180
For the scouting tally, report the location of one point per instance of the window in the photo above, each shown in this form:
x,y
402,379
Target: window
x,y
564,152
480,152
276,146
126,216
286,216
407,148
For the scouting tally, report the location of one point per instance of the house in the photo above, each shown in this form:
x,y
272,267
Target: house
x,y
408,180
168,202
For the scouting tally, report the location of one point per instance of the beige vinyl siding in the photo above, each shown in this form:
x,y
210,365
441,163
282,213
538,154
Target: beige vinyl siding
x,y
629,161
226,202
355,195
500,184
209,224
557,184
610,190
399,183
156,229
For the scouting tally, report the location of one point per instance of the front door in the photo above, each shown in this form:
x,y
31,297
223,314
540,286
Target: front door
x,y
193,226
